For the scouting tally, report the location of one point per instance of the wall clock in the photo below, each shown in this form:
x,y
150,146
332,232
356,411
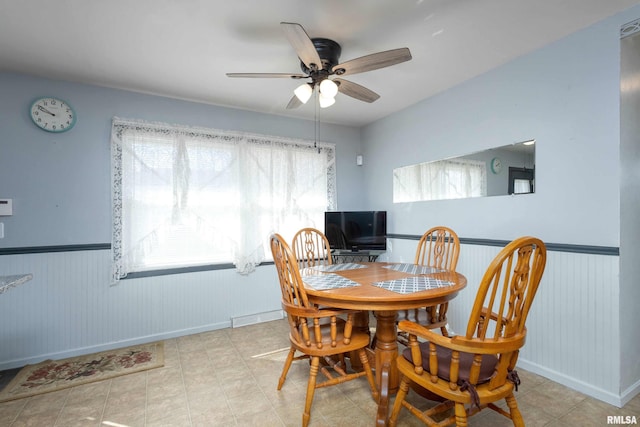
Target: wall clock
x,y
52,114
496,165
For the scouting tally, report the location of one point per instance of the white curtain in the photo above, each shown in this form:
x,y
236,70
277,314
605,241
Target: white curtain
x,y
185,196
445,179
521,186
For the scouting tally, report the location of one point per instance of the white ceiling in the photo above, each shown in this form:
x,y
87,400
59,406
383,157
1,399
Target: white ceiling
x,y
183,48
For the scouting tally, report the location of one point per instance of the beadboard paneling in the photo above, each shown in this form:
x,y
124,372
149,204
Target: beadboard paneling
x,y
70,308
573,323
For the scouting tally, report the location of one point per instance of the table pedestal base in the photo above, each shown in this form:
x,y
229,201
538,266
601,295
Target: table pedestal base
x,y
386,352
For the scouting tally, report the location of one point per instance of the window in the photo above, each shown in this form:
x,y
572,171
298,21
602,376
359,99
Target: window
x,y
444,179
521,180
186,196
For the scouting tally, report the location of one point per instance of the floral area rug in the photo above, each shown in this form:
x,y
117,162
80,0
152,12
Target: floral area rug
x,y
53,375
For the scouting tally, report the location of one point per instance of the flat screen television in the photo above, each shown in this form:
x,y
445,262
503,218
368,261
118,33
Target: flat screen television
x,y
356,230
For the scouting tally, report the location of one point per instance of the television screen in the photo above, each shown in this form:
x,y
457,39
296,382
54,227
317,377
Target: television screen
x,y
356,230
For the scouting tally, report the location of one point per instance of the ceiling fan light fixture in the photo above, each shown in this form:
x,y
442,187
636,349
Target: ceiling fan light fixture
x,y
325,101
319,59
303,92
328,88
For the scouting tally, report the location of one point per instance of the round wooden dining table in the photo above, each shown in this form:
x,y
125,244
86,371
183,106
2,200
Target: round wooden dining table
x,y
384,288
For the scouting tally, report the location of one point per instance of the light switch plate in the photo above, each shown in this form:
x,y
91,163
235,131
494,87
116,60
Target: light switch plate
x,y
1,230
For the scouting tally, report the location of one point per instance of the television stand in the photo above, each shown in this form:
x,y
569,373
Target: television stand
x,y
341,256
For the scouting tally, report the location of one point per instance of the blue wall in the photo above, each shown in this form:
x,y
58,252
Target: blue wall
x,y
566,96
60,186
60,183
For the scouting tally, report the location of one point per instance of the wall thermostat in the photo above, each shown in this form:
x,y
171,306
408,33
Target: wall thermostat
x,y
6,208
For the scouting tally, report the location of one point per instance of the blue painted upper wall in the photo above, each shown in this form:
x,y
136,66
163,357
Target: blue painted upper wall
x,y
566,96
60,183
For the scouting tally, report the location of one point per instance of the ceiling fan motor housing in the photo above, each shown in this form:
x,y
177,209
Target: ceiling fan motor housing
x,y
329,52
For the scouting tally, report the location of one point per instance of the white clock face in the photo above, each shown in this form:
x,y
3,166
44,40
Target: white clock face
x,y
496,165
52,115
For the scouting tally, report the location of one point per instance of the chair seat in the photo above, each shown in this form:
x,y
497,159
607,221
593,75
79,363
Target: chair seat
x,y
487,366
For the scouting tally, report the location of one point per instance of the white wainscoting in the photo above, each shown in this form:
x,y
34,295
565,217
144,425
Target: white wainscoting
x,y
69,307
573,332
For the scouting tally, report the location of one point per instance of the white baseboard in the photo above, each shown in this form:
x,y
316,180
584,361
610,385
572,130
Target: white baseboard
x,y
585,388
252,319
235,322
18,363
630,393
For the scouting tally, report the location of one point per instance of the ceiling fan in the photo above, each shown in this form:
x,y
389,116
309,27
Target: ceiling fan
x,y
319,60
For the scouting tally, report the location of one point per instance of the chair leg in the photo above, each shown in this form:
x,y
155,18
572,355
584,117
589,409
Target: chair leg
x,y
516,416
311,388
287,365
461,415
367,368
397,405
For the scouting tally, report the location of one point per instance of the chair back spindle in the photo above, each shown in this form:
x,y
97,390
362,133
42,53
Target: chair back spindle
x,y
439,247
311,247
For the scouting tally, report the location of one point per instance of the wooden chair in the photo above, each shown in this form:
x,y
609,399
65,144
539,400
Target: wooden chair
x,y
439,248
478,368
317,333
311,248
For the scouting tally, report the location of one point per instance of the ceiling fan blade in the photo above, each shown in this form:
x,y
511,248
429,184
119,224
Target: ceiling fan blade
x,y
294,103
302,44
356,91
373,61
268,75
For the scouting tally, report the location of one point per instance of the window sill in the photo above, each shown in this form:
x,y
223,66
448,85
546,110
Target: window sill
x,y
183,270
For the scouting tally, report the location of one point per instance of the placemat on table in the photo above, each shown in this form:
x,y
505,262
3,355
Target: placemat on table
x,y
413,268
412,284
323,282
338,267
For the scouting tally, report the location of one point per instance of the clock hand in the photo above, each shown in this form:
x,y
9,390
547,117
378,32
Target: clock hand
x,y
41,108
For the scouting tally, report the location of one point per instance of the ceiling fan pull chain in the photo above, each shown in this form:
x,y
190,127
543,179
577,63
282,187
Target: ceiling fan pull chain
x,y
316,130
317,120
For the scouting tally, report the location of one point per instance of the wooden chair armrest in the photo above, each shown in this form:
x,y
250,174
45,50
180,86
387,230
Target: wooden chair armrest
x,y
476,346
418,330
336,312
463,344
295,310
458,345
314,312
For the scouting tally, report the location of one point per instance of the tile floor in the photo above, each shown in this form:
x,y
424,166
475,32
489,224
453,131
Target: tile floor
x,y
228,377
